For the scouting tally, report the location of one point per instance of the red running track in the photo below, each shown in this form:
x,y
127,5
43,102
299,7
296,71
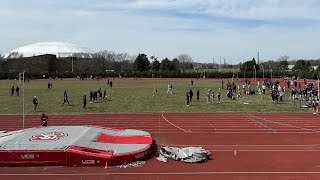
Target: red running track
x,y
244,146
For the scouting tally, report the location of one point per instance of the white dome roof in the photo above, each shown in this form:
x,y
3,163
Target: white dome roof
x,y
60,49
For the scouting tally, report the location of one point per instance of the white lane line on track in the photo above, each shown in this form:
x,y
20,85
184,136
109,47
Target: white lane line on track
x,y
203,132
52,174
163,173
174,124
261,124
283,124
209,172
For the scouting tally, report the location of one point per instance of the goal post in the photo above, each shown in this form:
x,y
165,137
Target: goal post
x,y
21,77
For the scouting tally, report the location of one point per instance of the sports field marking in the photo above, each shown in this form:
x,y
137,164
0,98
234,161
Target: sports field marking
x,y
255,148
210,132
283,124
254,119
174,124
57,174
209,172
163,173
210,128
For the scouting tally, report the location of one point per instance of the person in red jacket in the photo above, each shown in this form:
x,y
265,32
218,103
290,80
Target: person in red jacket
x,y
44,120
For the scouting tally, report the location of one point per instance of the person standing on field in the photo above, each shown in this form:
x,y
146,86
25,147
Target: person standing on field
x,y
17,90
219,95
155,90
65,97
91,96
212,96
198,95
105,94
12,90
208,95
221,83
188,98
35,103
191,95
169,88
84,100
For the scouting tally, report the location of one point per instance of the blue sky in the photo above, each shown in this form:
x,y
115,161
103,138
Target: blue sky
x,y
204,29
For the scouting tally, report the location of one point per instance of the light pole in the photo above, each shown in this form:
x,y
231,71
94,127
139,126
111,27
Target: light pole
x,y
23,108
21,78
271,72
262,72
244,73
72,62
254,73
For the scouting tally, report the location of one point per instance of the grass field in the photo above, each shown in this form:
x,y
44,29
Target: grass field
x,y
133,96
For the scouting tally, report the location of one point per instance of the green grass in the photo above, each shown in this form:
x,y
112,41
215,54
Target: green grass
x,y
133,96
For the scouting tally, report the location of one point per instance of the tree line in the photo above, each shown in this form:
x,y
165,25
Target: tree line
x,y
144,66
280,68
182,62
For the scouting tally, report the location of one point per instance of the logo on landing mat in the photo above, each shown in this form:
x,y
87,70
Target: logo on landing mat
x,y
50,136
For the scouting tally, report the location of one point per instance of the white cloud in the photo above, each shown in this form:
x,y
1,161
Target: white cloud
x,y
209,29
244,9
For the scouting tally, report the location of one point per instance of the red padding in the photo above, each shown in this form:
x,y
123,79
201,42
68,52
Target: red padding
x,y
33,158
78,156
104,138
114,129
131,157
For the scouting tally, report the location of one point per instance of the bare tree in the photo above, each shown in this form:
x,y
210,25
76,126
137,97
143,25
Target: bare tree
x,y
283,58
185,61
115,61
123,61
107,55
14,55
270,63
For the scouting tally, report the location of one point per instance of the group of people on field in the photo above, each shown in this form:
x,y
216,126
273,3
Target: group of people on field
x,y
297,90
15,89
95,96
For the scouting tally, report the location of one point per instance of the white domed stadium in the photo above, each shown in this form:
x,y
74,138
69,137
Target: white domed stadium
x,y
60,49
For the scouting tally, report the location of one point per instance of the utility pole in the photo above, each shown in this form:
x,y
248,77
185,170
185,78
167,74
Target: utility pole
x,y
212,63
262,72
271,72
254,73
245,70
72,62
220,64
21,79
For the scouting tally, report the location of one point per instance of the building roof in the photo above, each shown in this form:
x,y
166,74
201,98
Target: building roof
x,y
60,49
